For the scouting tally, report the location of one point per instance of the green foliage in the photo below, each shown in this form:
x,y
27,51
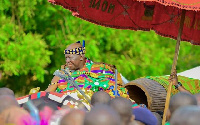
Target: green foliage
x,y
34,34
22,53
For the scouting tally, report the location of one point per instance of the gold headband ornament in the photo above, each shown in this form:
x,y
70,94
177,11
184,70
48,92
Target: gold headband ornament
x,y
78,51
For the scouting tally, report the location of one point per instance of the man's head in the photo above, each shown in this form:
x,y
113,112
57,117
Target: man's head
x,y
181,99
102,114
74,117
124,108
186,115
6,91
16,116
198,98
74,61
7,101
100,97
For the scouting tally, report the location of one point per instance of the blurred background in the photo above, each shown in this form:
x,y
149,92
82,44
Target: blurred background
x,y
34,34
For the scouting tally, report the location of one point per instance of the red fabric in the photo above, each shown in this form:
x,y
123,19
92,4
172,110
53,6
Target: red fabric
x,y
60,95
34,96
134,15
182,4
19,98
43,93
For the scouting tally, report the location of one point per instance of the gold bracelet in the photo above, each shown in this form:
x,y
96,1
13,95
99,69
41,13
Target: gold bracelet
x,y
53,83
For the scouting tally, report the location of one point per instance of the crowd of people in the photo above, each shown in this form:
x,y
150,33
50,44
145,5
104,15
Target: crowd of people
x,y
183,110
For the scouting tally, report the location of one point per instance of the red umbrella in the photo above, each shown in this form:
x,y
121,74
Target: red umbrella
x,y
166,17
131,14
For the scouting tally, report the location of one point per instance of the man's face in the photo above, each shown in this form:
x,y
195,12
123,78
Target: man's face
x,y
73,61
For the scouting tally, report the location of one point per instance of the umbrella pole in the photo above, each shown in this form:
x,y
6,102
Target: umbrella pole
x,y
174,65
115,82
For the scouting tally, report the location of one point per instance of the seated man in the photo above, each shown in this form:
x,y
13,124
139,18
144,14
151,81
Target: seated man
x,y
89,76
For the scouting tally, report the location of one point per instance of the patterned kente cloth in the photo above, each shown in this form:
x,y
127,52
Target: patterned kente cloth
x,y
58,99
91,78
192,85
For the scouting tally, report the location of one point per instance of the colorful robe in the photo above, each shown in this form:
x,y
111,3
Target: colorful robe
x,y
91,78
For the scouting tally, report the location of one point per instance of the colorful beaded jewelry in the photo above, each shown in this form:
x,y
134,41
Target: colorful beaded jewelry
x,y
53,83
78,51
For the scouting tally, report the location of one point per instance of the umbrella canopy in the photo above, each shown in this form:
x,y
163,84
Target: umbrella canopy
x,y
182,4
144,15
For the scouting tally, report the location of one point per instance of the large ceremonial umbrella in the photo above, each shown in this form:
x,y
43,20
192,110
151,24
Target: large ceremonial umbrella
x,y
166,17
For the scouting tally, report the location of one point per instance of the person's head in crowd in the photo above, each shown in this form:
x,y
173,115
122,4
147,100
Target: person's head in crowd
x,y
74,61
16,116
145,116
7,101
179,100
6,91
186,115
159,119
74,117
124,108
102,114
198,98
100,97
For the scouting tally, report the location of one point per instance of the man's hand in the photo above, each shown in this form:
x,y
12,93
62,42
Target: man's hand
x,y
173,78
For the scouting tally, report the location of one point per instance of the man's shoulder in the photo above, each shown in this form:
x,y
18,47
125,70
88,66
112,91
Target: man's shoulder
x,y
104,65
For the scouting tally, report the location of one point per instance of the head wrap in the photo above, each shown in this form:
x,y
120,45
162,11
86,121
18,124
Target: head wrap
x,y
145,116
78,51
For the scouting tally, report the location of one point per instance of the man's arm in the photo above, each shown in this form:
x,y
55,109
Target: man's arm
x,y
54,84
174,80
